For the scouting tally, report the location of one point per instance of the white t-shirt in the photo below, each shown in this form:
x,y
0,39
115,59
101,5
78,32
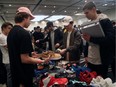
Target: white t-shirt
x,y
94,49
68,39
67,45
4,50
52,40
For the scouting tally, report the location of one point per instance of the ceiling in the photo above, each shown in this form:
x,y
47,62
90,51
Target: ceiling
x,y
50,7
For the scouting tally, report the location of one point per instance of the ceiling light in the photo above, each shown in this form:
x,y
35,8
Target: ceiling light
x,y
78,8
43,22
36,22
65,11
55,17
105,4
53,11
85,0
54,6
39,17
6,11
10,5
79,14
45,6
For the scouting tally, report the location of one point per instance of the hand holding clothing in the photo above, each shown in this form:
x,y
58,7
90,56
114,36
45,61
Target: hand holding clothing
x,y
86,37
62,51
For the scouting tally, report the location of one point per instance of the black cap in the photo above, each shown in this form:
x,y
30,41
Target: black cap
x,y
49,24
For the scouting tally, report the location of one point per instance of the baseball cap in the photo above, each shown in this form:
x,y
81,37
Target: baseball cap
x,y
26,10
67,20
49,24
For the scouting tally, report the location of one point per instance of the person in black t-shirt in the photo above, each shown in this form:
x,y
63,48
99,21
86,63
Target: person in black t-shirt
x,y
37,36
20,50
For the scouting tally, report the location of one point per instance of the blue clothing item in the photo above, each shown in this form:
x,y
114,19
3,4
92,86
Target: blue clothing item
x,y
39,72
9,78
79,69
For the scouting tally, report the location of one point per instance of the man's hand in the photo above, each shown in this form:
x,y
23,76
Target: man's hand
x,y
86,61
35,55
57,45
86,36
62,51
37,41
47,59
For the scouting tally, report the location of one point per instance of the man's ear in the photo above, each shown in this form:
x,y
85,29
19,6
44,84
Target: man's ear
x,y
94,9
3,30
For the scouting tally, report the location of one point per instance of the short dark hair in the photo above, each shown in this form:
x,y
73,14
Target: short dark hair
x,y
89,6
98,12
49,24
71,22
4,25
20,17
38,27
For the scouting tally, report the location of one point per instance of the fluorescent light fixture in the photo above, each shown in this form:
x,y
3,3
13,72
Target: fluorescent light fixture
x,y
55,17
79,14
85,0
10,5
105,4
54,6
45,6
65,11
53,11
39,17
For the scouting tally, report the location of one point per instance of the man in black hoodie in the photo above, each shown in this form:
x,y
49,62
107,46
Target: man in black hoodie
x,y
101,49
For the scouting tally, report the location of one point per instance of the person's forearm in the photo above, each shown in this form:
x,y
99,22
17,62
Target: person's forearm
x,y
32,60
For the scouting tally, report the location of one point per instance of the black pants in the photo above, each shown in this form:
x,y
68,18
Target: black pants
x,y
101,70
113,68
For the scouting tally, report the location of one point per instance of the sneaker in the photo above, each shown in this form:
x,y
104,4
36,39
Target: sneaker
x,y
49,81
87,76
100,82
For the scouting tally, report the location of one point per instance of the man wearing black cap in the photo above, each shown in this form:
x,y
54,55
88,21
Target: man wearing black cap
x,y
101,49
54,37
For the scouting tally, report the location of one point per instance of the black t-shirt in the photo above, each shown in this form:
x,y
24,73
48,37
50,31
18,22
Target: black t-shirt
x,y
38,35
19,42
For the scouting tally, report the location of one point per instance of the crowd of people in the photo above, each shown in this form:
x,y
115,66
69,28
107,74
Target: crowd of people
x,y
20,48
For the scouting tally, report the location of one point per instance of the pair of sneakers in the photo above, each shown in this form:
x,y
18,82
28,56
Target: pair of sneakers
x,y
100,82
49,81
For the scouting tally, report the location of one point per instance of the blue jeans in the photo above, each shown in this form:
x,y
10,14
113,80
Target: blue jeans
x,y
9,80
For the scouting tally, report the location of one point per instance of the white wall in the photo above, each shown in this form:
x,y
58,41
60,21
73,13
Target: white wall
x,y
111,13
1,22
